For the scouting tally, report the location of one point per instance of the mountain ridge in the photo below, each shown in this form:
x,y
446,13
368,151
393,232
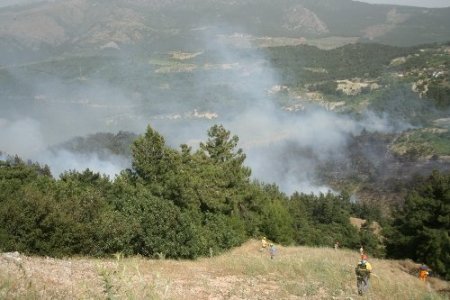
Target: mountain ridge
x,y
76,24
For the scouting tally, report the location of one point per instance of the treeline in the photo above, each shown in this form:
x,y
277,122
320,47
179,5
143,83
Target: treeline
x,y
102,144
174,203
298,65
421,227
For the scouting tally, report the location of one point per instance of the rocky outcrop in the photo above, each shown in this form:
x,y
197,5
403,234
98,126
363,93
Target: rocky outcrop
x,y
393,18
299,18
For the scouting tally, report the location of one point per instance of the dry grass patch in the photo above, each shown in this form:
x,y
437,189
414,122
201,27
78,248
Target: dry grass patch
x,y
242,273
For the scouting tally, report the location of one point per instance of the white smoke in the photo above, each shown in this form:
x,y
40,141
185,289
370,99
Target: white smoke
x,y
282,147
63,160
418,3
275,141
5,3
270,137
21,137
25,139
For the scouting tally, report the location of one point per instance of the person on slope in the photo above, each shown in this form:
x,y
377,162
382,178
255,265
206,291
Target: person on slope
x,y
272,250
264,243
424,271
336,245
363,271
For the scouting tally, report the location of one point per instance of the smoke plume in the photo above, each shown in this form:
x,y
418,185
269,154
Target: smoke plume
x,y
231,89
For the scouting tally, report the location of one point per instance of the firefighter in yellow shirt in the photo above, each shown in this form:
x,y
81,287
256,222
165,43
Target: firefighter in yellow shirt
x,y
264,243
363,270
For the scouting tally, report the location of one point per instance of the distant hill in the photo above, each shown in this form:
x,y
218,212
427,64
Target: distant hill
x,y
44,29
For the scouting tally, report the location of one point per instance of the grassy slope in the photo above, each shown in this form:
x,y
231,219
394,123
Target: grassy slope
x,y
243,273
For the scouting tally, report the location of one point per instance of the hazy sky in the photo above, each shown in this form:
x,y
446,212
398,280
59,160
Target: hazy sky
x,y
421,3
4,3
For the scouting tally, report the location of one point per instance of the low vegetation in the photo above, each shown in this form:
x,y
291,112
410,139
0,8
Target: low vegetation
x,y
245,272
423,142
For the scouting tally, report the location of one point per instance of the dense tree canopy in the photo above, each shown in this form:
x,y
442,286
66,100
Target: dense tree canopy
x,y
421,228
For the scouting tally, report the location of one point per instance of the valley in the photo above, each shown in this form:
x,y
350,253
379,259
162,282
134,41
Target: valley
x,y
114,91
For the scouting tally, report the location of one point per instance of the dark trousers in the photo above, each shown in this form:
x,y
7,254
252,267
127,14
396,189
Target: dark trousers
x,y
362,282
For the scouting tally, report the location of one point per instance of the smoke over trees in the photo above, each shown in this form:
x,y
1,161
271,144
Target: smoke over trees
x,y
184,204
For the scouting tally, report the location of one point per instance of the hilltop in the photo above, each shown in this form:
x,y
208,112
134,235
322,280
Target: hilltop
x,y
241,273
48,28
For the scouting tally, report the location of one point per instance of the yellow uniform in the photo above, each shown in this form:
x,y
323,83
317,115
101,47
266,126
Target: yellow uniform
x,y
264,243
363,270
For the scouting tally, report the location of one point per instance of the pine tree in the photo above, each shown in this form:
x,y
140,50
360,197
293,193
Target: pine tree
x,y
421,228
